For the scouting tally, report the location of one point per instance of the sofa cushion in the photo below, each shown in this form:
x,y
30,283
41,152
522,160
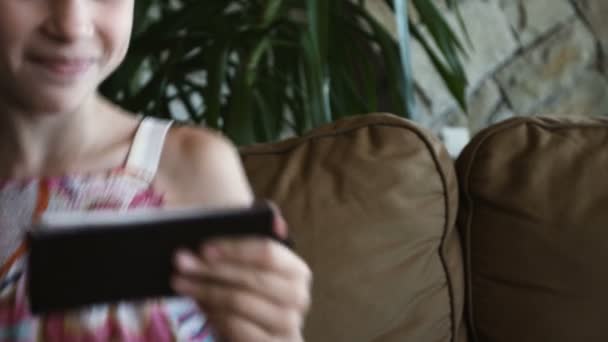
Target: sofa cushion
x,y
534,221
371,202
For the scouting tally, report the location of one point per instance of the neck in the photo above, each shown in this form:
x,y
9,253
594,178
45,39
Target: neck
x,y
41,144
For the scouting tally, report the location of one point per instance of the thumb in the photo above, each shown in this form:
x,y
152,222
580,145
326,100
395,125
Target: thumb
x,y
280,225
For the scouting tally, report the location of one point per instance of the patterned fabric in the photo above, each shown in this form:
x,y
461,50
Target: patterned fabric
x,y
118,190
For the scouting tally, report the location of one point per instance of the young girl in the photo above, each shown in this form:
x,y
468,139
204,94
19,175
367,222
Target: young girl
x,y
62,147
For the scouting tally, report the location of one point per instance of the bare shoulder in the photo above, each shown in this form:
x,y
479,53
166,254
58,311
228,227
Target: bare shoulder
x,y
200,167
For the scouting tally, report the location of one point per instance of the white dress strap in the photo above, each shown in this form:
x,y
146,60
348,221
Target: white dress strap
x,y
147,146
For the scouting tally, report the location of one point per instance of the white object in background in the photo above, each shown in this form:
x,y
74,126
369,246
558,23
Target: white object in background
x,y
455,139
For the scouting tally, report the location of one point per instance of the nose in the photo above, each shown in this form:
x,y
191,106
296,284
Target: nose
x,y
69,20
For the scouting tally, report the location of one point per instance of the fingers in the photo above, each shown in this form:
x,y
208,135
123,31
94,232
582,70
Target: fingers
x,y
272,286
252,289
233,328
280,225
261,254
240,305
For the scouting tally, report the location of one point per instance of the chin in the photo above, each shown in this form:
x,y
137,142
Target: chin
x,y
55,104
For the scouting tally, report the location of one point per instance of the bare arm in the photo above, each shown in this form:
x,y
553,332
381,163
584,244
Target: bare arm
x,y
251,289
202,168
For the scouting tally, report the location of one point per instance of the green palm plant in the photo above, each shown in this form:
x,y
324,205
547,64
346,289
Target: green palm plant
x,y
256,68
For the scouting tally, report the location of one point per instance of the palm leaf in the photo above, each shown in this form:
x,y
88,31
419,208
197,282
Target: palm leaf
x,y
255,68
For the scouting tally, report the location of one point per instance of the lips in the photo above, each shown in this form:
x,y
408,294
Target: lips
x,y
64,67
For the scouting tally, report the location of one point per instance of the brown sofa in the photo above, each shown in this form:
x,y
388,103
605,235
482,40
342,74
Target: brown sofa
x,y
373,206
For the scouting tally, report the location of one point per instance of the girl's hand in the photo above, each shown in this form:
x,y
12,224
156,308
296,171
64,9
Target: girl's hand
x,y
251,289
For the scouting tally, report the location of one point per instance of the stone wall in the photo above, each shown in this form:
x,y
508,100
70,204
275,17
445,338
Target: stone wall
x,y
528,57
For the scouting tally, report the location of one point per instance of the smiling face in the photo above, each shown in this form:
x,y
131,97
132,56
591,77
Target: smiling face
x,y
55,53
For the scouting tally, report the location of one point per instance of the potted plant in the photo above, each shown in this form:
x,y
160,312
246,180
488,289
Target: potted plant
x,y
255,69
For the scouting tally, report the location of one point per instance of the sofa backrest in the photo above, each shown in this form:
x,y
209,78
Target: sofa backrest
x,y
534,222
371,203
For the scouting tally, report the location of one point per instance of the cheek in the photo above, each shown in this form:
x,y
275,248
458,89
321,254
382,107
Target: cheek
x,y
116,36
15,27
20,21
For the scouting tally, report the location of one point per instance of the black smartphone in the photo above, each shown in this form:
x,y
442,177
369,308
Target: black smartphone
x,y
87,260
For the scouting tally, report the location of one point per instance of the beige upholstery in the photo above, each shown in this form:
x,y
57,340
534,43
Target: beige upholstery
x,y
534,218
371,202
